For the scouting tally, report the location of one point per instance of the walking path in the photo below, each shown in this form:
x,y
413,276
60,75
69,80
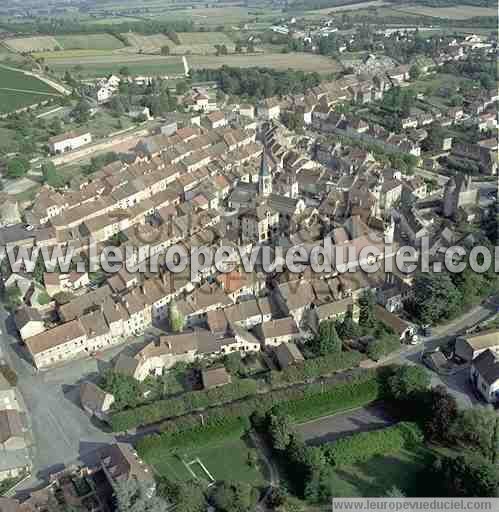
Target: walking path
x,y
267,458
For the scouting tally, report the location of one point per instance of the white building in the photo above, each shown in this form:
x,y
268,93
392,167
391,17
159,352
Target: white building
x,y
69,141
485,375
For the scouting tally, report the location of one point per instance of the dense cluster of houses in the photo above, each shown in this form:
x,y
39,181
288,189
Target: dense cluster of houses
x,y
88,487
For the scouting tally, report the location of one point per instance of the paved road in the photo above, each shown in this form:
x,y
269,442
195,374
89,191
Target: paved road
x,y
62,431
329,428
458,384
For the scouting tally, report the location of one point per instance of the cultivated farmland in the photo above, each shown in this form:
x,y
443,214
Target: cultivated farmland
x,y
89,42
458,12
201,42
101,65
147,44
33,44
299,61
18,90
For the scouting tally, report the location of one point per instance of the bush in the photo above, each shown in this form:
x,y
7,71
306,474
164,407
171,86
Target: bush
x,y
337,399
316,367
363,446
188,402
152,448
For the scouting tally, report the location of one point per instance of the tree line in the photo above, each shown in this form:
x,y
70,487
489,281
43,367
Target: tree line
x,y
258,83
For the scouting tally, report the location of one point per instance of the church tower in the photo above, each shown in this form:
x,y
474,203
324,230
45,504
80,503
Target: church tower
x,y
265,178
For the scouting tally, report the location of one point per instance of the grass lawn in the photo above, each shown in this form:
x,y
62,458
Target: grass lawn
x,y
379,474
225,461
89,42
104,124
28,195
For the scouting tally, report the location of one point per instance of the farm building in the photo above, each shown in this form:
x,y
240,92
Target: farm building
x,y
471,346
69,141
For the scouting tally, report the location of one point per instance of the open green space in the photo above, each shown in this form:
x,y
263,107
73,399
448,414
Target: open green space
x,y
89,42
12,79
300,61
14,100
18,90
456,12
225,461
379,474
102,65
65,55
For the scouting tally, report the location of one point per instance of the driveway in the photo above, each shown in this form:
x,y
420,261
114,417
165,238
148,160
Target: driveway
x,y
330,428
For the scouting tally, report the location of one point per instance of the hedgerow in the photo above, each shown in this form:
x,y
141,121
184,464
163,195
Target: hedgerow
x,y
363,446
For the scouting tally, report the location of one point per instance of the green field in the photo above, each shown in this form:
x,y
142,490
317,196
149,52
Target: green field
x,y
201,43
110,21
104,63
225,461
32,44
457,12
195,38
147,43
65,55
216,16
89,42
379,474
18,90
299,61
12,79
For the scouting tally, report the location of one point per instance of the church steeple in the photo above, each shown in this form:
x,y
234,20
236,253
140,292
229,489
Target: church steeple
x,y
265,178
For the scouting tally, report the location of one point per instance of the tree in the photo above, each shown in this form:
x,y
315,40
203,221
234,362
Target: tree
x,y
415,72
465,476
407,381
376,350
233,363
441,413
187,496
292,120
319,486
51,176
347,328
116,105
125,71
435,297
81,113
327,341
165,50
17,167
175,318
478,428
252,458
132,496
39,269
125,389
234,497
281,431
181,87
395,492
367,318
